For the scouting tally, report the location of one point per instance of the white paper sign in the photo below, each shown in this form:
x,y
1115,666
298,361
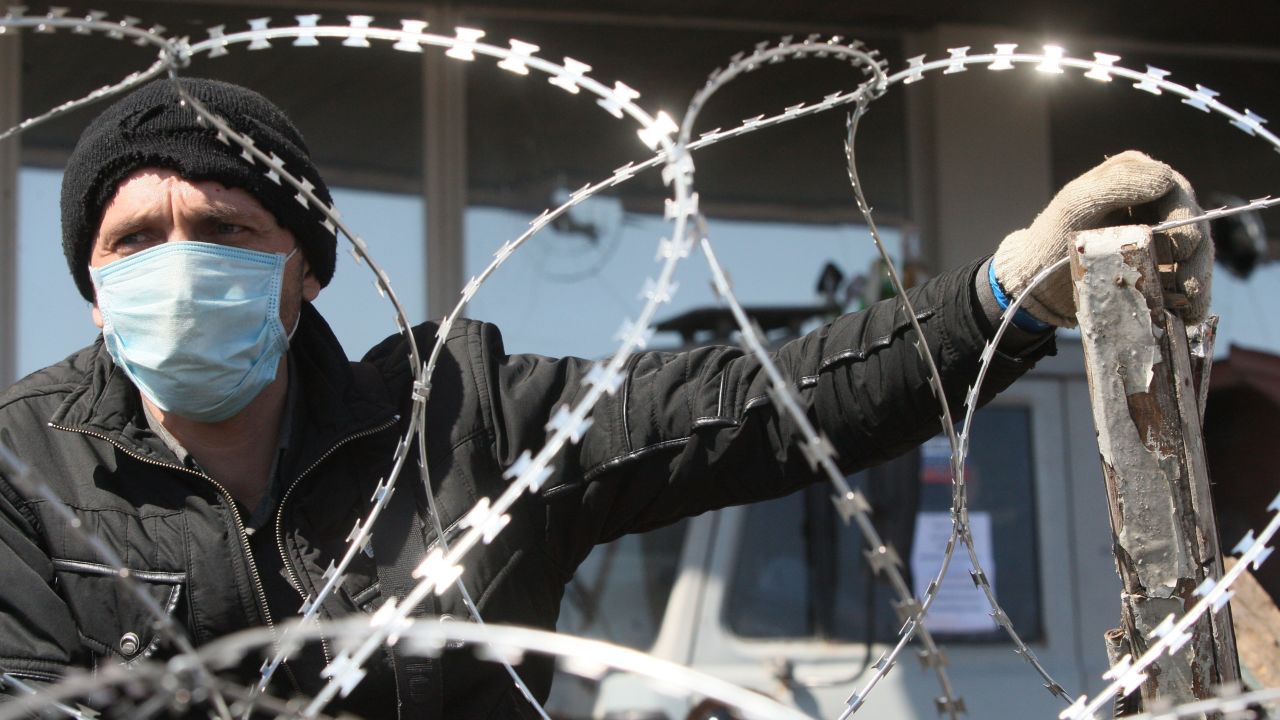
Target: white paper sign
x,y
960,607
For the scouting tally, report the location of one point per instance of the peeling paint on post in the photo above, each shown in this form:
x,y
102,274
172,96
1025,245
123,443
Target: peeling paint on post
x,y
1148,422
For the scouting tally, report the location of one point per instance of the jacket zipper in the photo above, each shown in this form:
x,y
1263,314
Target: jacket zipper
x,y
295,580
235,513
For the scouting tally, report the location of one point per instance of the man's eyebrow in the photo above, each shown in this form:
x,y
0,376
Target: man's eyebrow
x,y
225,212
211,213
127,226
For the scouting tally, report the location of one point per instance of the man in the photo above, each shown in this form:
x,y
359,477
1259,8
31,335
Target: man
x,y
217,438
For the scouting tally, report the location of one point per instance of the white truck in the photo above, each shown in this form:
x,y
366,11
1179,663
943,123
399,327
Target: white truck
x,y
777,597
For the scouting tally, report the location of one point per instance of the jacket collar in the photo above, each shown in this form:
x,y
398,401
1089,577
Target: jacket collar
x,y
336,400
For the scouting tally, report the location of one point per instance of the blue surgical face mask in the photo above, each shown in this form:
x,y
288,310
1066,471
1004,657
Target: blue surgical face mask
x,y
196,326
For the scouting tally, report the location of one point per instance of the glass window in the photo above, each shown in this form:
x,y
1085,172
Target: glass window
x,y
802,573
1002,515
620,592
568,290
772,586
778,201
53,320
392,225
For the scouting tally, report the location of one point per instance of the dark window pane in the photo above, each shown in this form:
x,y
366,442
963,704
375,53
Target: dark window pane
x,y
769,593
801,573
620,591
864,607
1002,497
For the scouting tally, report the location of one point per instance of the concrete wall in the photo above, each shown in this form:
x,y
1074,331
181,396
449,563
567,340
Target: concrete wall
x,y
978,148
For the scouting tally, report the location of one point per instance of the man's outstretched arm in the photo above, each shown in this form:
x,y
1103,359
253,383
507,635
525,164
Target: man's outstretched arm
x,y
697,430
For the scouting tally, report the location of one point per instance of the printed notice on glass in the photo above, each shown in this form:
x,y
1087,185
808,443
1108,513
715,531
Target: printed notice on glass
x,y
960,607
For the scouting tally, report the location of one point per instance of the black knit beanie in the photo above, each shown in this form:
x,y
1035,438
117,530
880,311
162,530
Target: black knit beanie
x,y
150,127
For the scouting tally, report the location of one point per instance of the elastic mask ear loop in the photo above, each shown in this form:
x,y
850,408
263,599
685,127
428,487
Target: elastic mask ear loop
x,y
298,320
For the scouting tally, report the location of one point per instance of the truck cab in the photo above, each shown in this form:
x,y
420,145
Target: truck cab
x,y
779,598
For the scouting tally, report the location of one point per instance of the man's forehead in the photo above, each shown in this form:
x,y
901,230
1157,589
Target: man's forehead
x,y
152,186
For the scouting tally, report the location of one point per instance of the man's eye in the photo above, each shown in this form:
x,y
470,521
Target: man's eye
x,y
130,242
229,228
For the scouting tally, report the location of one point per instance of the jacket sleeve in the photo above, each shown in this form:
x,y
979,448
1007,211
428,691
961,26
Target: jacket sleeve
x,y
694,431
38,637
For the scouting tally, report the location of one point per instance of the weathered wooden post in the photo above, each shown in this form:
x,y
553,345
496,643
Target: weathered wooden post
x,y
1148,420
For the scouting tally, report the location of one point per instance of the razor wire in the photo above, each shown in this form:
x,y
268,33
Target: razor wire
x,y
221,41
441,569
816,441
920,607
359,536
1229,702
816,447
1050,61
411,37
79,712
568,423
1171,634
178,55
1127,675
95,21
112,683
464,45
590,659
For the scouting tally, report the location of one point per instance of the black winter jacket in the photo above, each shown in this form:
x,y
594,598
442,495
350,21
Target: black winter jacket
x,y
686,433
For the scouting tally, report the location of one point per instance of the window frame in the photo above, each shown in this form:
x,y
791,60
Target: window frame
x,y
1059,586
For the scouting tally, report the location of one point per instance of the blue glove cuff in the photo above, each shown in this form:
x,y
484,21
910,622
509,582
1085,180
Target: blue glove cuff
x,y
1022,319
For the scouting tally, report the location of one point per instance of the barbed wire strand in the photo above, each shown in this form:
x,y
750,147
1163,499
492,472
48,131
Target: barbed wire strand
x,y
1230,702
405,39
160,681
80,712
916,623
818,450
568,424
1171,634
94,22
1100,69
590,659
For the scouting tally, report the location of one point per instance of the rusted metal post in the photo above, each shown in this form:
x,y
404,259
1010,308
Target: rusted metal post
x,y
1148,420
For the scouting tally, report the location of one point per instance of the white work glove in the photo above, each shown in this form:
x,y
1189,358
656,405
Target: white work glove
x,y
1130,188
